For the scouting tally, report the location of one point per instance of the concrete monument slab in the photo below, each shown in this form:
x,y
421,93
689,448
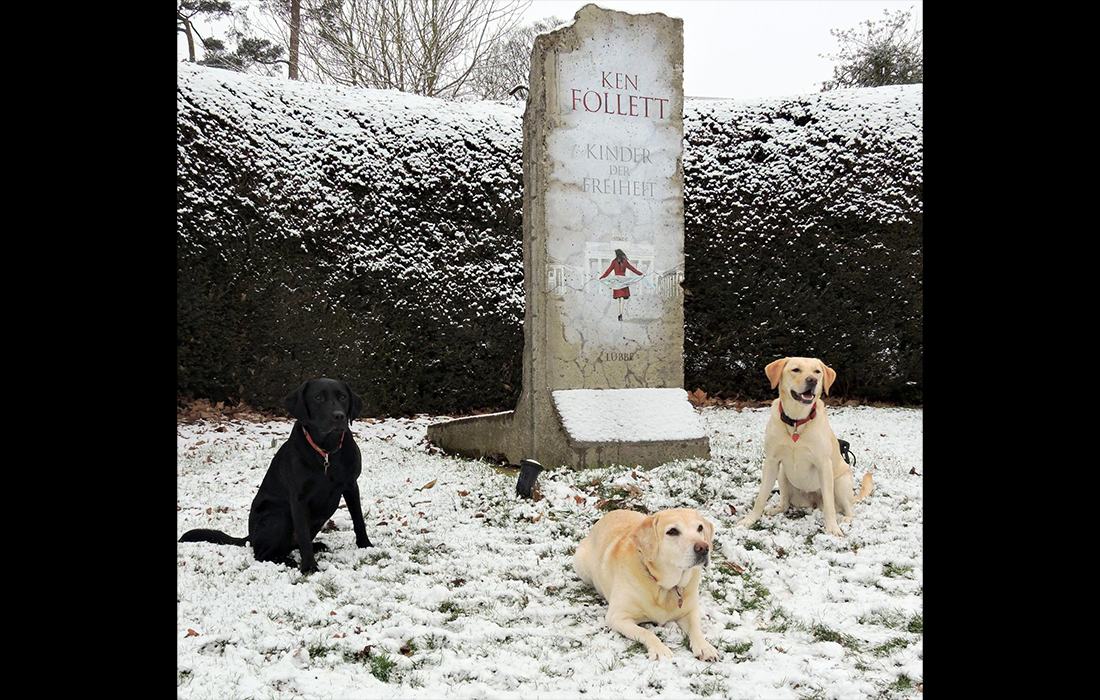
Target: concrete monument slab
x,y
603,252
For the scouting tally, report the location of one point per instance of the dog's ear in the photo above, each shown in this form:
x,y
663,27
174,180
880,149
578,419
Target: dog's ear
x,y
356,403
646,538
830,376
708,529
296,402
774,369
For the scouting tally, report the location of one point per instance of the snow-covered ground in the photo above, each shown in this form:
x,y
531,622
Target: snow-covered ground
x,y
469,590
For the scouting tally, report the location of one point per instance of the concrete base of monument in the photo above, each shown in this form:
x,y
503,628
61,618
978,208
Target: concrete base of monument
x,y
489,436
586,428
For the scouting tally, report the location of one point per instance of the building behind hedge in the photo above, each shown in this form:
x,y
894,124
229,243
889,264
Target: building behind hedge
x,y
376,236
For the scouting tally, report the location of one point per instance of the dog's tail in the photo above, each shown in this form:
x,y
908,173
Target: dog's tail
x,y
865,487
215,536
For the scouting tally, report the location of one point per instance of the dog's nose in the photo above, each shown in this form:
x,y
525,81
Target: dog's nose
x,y
338,416
701,547
811,381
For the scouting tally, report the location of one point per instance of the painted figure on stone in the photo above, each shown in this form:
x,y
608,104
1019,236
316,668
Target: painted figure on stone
x,y
622,281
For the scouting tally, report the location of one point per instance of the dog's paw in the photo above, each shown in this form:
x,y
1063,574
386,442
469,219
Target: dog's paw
x,y
658,651
363,543
844,519
747,521
704,651
309,567
319,547
775,510
834,529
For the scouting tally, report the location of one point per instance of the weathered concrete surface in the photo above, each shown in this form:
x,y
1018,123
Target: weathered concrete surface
x,y
603,232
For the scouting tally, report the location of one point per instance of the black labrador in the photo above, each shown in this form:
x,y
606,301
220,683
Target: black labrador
x,y
318,464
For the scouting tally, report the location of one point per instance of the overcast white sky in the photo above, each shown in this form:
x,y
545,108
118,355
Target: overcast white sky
x,y
750,48
744,49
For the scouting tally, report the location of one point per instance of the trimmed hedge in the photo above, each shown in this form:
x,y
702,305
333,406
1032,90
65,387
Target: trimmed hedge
x,y
376,236
803,237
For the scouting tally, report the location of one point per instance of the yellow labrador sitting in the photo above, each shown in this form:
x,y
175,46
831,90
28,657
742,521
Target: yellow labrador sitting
x,y
648,568
801,450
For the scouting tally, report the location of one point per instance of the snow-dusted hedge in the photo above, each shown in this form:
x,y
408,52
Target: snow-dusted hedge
x,y
376,236
803,236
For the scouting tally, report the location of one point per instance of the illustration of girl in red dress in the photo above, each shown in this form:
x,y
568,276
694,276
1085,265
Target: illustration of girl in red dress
x,y
619,266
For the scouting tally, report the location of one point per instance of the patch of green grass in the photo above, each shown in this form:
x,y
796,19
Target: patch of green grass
x,y
903,682
888,648
821,633
916,625
891,620
754,595
381,666
327,589
737,648
582,594
709,686
637,648
422,553
895,570
779,621
317,650
754,544
435,641
611,665
451,609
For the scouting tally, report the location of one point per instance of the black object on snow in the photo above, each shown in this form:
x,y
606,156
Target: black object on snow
x,y
528,472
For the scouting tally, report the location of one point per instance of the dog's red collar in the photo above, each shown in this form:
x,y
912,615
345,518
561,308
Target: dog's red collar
x,y
322,452
796,423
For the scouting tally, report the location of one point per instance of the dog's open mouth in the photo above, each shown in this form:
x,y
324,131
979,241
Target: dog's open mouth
x,y
806,398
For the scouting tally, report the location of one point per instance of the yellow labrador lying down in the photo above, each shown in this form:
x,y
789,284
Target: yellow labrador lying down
x,y
648,568
801,450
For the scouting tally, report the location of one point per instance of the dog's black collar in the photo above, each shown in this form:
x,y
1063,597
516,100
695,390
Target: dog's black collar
x,y
795,423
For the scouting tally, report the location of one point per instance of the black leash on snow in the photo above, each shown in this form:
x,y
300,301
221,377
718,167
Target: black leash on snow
x,y
846,452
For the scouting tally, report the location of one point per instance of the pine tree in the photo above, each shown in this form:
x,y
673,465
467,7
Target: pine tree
x,y
188,10
248,51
